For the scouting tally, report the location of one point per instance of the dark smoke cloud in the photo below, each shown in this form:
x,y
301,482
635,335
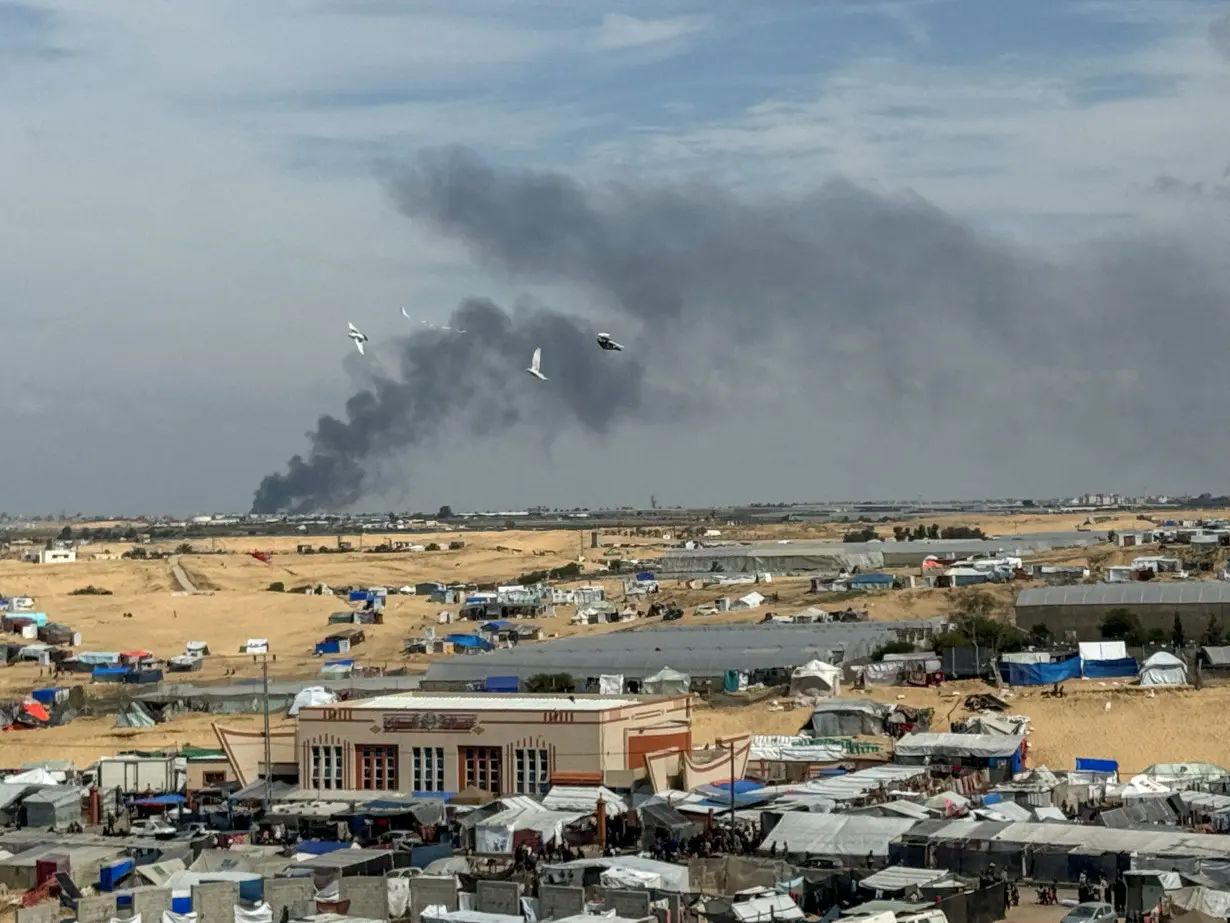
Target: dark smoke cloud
x,y
878,321
474,379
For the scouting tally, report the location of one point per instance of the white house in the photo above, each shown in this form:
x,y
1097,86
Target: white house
x,y
57,555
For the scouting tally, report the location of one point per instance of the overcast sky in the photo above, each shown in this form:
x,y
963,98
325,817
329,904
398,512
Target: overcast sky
x,y
198,195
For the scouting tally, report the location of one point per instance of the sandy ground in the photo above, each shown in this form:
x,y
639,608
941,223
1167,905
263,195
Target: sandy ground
x,y
239,606
86,739
1138,729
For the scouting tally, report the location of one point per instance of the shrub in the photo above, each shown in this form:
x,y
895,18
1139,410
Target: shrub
x,y
277,587
90,590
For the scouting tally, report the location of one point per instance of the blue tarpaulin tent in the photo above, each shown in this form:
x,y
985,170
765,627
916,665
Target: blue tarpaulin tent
x,y
501,684
319,847
1040,674
1104,669
469,641
499,625
109,876
159,800
645,576
46,696
1085,764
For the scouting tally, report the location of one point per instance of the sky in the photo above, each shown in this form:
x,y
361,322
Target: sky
x,y
199,195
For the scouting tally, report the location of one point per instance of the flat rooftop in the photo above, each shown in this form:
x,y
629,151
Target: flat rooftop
x,y
492,702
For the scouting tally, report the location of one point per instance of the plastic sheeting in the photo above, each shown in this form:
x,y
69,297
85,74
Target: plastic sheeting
x,y
611,684
311,696
667,682
1163,669
1205,901
988,746
1040,674
399,897
836,834
1106,669
1102,650
261,913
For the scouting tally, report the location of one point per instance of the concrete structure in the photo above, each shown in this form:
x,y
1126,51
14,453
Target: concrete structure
x,y
293,893
214,902
368,896
498,897
46,912
501,744
432,890
98,909
150,903
208,768
57,556
1075,613
555,902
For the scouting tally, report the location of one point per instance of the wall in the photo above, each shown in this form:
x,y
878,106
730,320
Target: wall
x,y
293,893
198,768
151,903
427,891
215,901
368,896
555,902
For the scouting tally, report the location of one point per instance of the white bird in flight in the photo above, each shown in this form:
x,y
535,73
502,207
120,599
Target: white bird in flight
x,y
359,338
431,326
536,365
605,341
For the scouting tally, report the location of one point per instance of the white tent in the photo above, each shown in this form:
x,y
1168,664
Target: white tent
x,y
667,682
1163,669
311,696
816,678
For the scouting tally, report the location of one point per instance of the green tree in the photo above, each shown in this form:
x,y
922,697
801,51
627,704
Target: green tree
x,y
892,647
1122,624
867,534
66,534
550,682
446,512
1214,634
1176,633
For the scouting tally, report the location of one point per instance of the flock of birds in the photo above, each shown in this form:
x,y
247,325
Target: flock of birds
x,y
535,369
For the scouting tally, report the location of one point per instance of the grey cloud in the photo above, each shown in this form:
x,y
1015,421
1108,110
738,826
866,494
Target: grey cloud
x,y
1219,34
860,320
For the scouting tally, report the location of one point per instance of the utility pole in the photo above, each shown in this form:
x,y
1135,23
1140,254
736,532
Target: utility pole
x,y
732,786
268,745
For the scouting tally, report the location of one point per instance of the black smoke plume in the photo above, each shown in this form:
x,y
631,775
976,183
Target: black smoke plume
x,y
475,379
879,319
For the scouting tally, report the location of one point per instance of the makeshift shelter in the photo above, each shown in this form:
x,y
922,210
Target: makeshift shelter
x,y
1163,669
816,678
311,696
848,718
53,807
135,715
667,682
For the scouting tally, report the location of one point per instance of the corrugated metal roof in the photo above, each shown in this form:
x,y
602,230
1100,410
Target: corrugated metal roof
x,y
707,650
1127,594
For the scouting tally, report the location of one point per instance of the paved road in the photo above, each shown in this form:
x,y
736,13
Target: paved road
x,y
180,577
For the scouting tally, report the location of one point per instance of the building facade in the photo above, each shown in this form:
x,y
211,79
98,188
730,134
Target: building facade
x,y
505,744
